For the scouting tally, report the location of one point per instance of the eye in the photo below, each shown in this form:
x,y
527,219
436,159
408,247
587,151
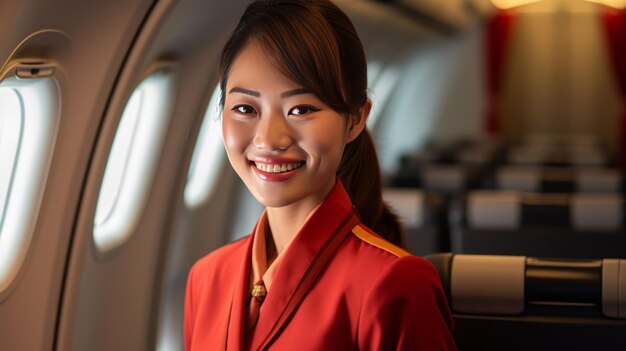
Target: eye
x,y
302,110
244,109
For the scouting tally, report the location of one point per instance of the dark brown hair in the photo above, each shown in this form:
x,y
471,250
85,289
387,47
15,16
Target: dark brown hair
x,y
313,43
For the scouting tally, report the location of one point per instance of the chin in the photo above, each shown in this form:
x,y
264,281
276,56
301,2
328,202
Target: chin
x,y
275,202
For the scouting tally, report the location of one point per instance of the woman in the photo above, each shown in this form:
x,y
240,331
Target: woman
x,y
312,275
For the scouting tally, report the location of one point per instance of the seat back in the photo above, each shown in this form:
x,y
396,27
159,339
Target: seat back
x,y
549,225
525,303
558,179
422,216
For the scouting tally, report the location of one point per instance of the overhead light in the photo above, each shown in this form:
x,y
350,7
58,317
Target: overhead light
x,y
507,4
618,4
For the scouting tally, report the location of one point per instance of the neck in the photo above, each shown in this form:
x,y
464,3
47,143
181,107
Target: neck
x,y
284,223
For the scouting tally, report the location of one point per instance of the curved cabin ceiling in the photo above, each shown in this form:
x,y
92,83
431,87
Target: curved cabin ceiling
x,y
556,4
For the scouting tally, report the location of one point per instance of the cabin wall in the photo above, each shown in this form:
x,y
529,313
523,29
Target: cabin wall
x,y
88,51
439,98
559,74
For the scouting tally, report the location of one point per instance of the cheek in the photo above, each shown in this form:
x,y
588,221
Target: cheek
x,y
236,137
325,145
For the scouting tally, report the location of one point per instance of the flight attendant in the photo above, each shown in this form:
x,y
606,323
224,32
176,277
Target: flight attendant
x,y
319,271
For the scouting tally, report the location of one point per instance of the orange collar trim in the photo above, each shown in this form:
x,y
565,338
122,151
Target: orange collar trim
x,y
364,234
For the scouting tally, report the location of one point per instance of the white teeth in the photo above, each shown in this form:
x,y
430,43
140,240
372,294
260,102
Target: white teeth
x,y
275,168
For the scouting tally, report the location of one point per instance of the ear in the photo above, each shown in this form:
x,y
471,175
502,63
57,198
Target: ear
x,y
357,122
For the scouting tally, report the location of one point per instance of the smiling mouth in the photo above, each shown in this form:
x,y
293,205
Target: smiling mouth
x,y
278,168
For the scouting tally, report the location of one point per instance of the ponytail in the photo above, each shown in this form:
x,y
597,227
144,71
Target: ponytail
x,y
360,174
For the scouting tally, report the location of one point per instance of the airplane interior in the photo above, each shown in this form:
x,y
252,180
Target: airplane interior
x,y
500,127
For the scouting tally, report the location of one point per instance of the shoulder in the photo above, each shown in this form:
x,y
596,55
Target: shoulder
x,y
389,265
221,260
395,275
404,306
409,277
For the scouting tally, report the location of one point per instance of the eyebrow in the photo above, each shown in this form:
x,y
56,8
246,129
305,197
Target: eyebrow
x,y
245,91
299,91
289,93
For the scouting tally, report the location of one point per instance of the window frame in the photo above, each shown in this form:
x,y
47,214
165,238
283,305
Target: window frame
x,y
37,86
132,196
201,181
10,160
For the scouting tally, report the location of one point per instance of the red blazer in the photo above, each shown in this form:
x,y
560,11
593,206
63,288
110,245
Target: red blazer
x,y
338,287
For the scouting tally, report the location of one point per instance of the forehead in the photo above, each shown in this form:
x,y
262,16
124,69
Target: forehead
x,y
252,68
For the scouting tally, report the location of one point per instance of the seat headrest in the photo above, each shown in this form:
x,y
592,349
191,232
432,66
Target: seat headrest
x,y
447,178
509,210
486,284
577,140
477,154
506,285
522,178
614,288
597,212
527,155
587,157
574,155
597,180
494,210
408,204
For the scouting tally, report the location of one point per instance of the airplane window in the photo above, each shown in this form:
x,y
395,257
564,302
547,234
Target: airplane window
x,y
132,162
373,70
10,131
29,121
508,4
381,89
207,157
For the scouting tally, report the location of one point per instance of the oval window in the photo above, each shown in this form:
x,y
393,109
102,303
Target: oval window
x,y
207,158
132,162
29,119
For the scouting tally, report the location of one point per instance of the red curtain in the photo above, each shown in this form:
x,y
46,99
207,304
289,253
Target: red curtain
x,y
498,36
615,32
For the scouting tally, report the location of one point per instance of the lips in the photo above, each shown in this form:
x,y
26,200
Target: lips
x,y
275,169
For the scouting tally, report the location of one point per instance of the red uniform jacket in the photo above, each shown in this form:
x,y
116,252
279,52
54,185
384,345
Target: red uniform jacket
x,y
338,287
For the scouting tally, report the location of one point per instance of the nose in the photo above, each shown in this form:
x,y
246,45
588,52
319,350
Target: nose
x,y
273,133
